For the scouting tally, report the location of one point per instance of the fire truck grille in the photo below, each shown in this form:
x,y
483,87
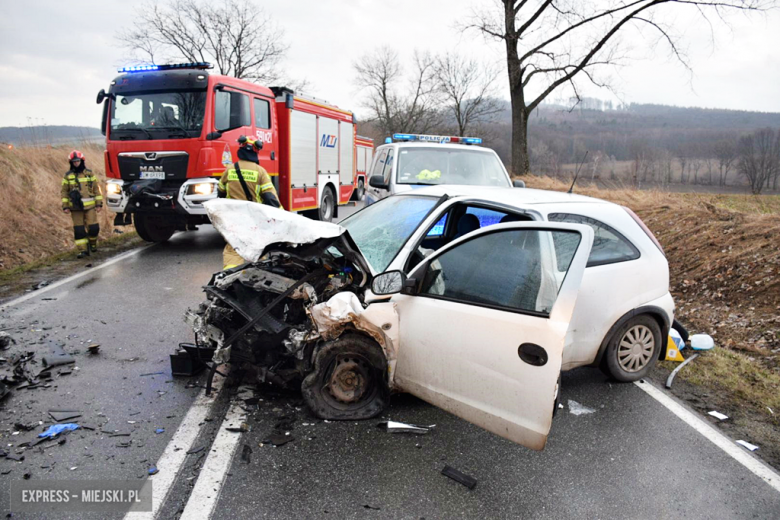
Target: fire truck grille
x,y
165,166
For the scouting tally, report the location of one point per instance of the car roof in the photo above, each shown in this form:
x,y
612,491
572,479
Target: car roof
x,y
511,196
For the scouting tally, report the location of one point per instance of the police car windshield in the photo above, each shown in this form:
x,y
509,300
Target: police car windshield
x,y
440,165
158,115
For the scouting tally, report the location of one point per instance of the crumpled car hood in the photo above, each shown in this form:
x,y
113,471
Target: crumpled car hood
x,y
252,228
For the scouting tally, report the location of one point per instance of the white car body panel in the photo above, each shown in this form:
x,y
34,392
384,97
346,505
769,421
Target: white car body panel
x,y
470,365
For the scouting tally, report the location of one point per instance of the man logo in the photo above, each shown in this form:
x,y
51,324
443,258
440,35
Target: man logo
x,y
151,156
328,141
152,169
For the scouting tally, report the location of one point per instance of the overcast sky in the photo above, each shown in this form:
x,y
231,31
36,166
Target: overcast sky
x,y
56,55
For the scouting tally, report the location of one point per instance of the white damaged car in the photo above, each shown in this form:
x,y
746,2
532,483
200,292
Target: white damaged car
x,y
473,299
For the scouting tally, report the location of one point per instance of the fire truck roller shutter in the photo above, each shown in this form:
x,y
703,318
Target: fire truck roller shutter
x,y
303,149
329,146
347,167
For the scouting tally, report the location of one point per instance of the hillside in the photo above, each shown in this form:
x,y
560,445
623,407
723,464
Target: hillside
x,y
49,135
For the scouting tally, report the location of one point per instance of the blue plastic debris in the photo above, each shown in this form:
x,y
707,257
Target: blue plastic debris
x,y
159,430
153,470
56,429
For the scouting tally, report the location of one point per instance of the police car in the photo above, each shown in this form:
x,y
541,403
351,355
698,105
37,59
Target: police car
x,y
410,161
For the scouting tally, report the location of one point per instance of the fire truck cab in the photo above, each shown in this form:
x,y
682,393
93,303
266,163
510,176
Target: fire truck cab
x,y
171,130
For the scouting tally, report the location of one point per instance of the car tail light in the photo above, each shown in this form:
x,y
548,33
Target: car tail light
x,y
645,229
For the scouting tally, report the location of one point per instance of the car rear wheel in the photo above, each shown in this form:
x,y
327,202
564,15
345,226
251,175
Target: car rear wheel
x,y
153,228
348,381
634,349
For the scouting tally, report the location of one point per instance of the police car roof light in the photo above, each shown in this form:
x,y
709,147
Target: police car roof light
x,y
435,138
171,66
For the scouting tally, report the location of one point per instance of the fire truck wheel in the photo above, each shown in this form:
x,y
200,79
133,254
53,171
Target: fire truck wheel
x,y
153,228
361,190
328,205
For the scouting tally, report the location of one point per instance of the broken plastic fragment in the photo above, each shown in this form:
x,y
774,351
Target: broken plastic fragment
x,y
702,342
576,408
159,430
718,415
56,429
64,415
153,470
751,447
399,427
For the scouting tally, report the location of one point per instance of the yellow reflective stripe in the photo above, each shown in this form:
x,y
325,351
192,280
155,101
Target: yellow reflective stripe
x,y
220,186
81,241
249,176
267,186
65,181
99,197
65,199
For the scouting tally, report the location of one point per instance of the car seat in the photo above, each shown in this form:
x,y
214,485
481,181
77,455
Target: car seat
x,y
466,224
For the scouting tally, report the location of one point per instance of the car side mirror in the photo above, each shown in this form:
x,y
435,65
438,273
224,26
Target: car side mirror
x,y
101,96
517,183
387,283
377,181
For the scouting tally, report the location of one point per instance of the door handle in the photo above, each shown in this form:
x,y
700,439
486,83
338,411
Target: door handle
x,y
532,354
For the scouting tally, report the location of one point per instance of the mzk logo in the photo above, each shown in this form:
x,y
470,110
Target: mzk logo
x,y
328,141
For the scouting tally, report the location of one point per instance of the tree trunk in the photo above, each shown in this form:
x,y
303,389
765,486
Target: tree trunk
x,y
520,161
520,165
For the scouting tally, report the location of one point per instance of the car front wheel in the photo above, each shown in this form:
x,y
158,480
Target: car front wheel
x,y
348,381
634,348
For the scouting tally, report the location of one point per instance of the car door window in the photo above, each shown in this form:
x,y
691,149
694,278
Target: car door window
x,y
510,270
609,246
231,110
262,114
379,165
388,167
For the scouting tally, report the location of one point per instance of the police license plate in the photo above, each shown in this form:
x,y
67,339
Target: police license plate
x,y
153,175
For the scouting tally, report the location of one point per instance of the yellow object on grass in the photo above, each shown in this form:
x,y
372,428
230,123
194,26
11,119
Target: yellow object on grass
x,y
673,348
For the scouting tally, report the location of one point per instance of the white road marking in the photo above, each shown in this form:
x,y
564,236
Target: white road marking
x,y
44,290
208,487
175,453
738,453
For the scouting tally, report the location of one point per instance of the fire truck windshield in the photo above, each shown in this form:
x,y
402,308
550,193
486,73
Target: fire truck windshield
x,y
158,115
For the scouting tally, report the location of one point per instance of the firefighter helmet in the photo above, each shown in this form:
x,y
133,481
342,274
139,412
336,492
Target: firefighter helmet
x,y
75,155
250,144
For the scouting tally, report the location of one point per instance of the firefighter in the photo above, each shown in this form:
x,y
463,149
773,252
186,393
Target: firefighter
x,y
82,198
246,180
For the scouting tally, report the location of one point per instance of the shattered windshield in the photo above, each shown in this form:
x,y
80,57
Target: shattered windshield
x,y
450,166
381,229
158,115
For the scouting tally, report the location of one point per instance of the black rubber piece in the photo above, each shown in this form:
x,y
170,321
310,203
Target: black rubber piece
x,y
457,476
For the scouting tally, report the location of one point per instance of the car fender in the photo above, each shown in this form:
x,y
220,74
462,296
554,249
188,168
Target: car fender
x,y
655,312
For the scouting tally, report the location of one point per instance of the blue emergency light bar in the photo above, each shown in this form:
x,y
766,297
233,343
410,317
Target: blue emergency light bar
x,y
436,138
173,66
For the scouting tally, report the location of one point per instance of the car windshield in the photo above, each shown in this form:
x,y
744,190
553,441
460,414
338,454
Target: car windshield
x,y
158,115
381,229
450,166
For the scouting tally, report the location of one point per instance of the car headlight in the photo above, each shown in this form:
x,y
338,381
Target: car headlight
x,y
113,188
203,188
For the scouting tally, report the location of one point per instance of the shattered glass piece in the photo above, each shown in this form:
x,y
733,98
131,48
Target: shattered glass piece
x,y
718,415
576,408
399,427
746,444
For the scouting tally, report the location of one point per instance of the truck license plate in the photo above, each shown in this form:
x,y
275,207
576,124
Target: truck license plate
x,y
153,175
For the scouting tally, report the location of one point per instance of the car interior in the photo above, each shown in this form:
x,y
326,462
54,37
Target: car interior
x,y
460,220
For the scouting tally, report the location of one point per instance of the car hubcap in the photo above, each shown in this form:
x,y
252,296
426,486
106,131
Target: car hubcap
x,y
349,380
636,348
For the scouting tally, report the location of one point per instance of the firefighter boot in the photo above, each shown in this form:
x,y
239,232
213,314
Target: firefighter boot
x,y
93,229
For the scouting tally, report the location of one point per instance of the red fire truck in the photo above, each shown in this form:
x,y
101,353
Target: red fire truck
x,y
172,129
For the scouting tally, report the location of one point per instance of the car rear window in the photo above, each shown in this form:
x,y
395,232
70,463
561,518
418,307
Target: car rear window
x,y
609,246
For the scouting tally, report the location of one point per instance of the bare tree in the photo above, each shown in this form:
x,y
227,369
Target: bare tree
x,y
237,37
759,158
551,43
726,153
399,103
469,89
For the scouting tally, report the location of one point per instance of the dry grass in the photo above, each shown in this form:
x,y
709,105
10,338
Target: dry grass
x,y
32,223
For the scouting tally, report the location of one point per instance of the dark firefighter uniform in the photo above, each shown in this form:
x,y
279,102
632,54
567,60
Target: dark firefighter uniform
x,y
81,196
257,187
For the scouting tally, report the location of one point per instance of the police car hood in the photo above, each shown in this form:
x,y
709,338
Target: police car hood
x,y
252,229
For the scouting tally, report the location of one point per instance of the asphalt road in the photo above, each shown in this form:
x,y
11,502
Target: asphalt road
x,y
630,458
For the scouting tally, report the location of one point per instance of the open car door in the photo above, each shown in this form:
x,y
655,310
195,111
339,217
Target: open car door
x,y
482,328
